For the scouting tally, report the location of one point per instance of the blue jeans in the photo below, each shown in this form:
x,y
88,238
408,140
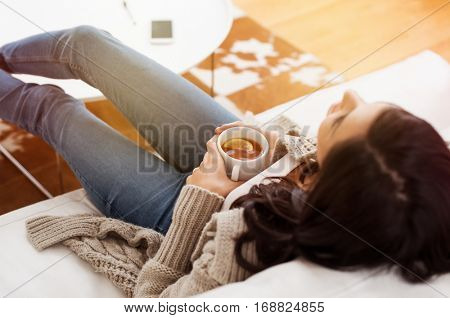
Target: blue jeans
x,y
122,180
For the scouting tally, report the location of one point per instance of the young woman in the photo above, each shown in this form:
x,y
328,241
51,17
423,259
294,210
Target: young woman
x,y
380,198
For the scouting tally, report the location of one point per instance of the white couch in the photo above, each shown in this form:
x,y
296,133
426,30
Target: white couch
x,y
421,84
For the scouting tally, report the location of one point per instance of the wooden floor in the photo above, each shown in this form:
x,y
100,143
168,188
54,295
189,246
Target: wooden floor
x,y
339,32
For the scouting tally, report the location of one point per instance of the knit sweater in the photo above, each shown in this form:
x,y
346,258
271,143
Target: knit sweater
x,y
141,261
196,255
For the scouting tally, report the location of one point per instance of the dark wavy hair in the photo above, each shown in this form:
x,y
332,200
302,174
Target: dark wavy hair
x,y
379,200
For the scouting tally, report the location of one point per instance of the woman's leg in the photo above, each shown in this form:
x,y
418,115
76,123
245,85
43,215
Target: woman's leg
x,y
106,163
176,117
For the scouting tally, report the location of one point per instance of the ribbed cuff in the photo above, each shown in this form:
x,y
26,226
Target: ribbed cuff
x,y
192,211
45,231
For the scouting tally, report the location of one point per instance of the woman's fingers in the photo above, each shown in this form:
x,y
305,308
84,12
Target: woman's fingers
x,y
213,151
211,145
213,159
227,126
211,173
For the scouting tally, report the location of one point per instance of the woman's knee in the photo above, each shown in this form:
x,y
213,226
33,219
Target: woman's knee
x,y
86,34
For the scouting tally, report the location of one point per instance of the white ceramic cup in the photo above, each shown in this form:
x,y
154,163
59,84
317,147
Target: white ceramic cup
x,y
244,169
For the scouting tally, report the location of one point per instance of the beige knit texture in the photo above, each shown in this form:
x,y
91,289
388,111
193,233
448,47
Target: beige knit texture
x,y
114,248
141,261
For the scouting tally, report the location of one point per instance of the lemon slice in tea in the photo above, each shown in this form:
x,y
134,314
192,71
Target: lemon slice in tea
x,y
238,143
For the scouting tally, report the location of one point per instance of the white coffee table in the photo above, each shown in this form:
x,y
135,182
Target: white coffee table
x,y
199,27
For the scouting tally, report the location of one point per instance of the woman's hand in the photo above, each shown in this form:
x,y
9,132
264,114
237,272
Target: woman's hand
x,y
211,174
271,135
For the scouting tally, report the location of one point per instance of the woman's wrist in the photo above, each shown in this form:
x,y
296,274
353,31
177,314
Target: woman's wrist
x,y
221,189
195,201
205,190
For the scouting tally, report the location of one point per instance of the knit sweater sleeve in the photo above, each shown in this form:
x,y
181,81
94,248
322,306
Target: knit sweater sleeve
x,y
192,211
213,260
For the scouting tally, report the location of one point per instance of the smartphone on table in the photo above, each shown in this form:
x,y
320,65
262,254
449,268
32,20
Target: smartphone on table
x,y
161,31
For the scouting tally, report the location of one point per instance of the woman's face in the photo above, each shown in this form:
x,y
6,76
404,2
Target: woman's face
x,y
348,118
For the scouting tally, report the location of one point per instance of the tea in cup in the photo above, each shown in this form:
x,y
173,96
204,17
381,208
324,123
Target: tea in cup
x,y
244,151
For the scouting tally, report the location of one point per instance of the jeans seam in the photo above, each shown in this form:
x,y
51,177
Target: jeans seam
x,y
81,69
60,46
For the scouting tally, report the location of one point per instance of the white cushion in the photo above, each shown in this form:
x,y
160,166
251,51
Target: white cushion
x,y
54,272
420,84
302,279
